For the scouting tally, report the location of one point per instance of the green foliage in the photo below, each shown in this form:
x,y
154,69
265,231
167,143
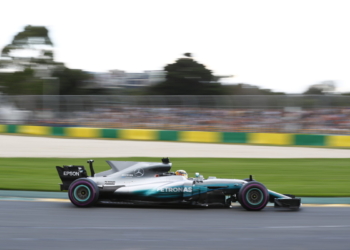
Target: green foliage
x,y
21,83
32,31
24,40
245,89
48,53
71,80
6,50
187,77
24,82
313,91
301,177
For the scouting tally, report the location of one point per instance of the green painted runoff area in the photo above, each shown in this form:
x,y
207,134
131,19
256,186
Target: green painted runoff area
x,y
301,177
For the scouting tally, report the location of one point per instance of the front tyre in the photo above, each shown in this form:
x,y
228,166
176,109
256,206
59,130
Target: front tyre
x,y
253,196
83,192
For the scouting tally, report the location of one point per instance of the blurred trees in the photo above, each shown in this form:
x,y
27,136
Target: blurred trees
x,y
246,89
29,59
21,83
30,47
32,69
324,87
313,91
72,81
187,77
68,81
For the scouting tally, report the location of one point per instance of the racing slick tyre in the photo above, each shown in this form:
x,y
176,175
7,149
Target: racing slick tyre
x,y
83,192
253,196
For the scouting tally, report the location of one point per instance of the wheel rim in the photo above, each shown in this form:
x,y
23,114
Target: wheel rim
x,y
82,193
254,196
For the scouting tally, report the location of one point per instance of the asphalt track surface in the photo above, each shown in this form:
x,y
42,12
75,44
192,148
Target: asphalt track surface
x,y
60,225
29,146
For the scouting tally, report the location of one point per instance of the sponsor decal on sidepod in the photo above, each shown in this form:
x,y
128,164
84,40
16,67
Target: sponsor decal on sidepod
x,y
175,189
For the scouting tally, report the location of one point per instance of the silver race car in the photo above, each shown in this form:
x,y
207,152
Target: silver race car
x,y
152,183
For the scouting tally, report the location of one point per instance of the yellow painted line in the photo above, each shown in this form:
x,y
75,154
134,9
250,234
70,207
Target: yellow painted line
x,y
325,205
270,138
83,132
304,205
338,141
138,134
33,199
53,200
34,130
199,136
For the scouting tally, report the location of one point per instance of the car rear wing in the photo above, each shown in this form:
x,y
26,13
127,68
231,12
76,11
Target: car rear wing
x,y
68,174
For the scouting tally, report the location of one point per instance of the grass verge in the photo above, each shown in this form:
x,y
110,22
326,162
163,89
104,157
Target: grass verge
x,y
302,177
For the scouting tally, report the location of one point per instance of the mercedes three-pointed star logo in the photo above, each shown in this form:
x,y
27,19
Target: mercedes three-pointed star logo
x,y
139,172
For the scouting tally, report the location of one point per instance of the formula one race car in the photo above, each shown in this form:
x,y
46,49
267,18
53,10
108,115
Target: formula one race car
x,y
152,183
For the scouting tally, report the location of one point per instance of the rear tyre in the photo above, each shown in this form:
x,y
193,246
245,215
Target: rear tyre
x,y
253,196
83,192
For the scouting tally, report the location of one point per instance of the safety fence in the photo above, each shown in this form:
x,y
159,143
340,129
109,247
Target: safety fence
x,y
72,103
183,136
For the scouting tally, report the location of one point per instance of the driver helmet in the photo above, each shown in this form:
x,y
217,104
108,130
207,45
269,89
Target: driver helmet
x,y
182,173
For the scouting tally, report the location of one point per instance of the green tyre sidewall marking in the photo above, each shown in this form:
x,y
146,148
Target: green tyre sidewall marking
x,y
75,193
256,203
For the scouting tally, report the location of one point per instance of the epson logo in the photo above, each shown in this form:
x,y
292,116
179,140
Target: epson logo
x,y
70,173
